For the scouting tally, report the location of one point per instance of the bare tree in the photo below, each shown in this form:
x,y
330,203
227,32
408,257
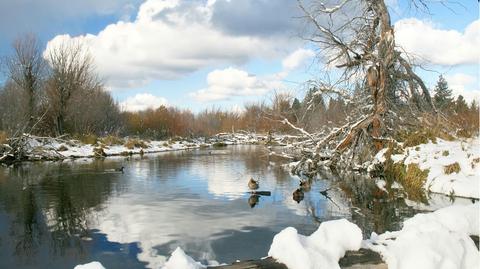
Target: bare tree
x,y
72,72
356,41
26,68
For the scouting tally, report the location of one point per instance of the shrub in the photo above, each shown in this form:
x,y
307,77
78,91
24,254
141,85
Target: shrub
x,y
452,168
445,153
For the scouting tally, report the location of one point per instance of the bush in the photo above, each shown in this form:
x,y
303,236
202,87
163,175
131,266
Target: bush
x,y
452,168
445,153
135,143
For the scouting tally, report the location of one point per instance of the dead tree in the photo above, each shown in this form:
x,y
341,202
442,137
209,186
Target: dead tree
x,y
26,68
357,39
72,72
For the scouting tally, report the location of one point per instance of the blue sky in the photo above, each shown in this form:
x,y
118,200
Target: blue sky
x,y
224,53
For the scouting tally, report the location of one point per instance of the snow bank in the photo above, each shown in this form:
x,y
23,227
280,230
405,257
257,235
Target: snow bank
x,y
180,260
436,156
322,249
437,240
92,265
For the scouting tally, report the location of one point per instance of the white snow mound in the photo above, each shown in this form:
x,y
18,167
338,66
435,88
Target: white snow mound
x,y
438,240
320,250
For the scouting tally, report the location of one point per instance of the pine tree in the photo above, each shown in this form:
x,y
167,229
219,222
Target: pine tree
x,y
460,105
443,95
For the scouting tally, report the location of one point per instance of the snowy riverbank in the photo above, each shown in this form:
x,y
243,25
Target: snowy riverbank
x,y
440,239
46,148
453,166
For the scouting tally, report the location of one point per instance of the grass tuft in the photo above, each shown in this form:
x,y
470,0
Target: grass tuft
x,y
135,143
452,168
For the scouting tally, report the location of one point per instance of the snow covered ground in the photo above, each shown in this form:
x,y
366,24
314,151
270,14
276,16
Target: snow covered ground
x,y
44,148
437,240
436,157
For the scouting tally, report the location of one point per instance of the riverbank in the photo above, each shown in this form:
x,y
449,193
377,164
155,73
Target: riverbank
x,y
34,148
445,167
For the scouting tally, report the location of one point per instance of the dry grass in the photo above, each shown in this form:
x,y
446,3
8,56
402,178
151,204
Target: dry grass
x,y
3,137
452,168
135,143
111,140
88,139
62,148
411,177
445,153
423,136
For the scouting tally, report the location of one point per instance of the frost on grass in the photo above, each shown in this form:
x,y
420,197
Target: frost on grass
x,y
437,240
322,249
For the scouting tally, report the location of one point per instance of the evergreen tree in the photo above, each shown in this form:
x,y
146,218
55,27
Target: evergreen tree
x,y
443,95
296,107
460,105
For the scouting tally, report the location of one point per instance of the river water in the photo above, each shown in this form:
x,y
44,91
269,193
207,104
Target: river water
x,y
59,214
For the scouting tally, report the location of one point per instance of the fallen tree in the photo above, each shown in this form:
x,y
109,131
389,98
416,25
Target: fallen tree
x,y
365,68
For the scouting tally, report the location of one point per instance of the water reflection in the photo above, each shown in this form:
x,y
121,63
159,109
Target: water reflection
x,y
56,215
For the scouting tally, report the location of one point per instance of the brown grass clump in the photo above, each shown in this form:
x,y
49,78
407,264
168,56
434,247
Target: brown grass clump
x,y
423,136
62,148
88,139
111,140
3,137
452,168
135,143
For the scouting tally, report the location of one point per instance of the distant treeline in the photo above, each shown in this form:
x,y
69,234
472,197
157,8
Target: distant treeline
x,y
60,93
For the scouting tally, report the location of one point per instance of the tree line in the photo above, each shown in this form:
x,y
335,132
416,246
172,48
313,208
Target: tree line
x,y
59,92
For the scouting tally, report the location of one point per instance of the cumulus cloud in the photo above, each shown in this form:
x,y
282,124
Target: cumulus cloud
x,y
439,46
231,82
465,85
257,17
167,40
295,59
143,101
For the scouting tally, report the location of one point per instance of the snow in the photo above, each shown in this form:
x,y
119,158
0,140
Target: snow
x,y
180,260
437,240
436,156
92,265
322,249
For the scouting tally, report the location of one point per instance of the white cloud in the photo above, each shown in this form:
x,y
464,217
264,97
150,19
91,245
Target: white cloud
x,y
167,40
143,101
465,85
439,46
297,58
231,82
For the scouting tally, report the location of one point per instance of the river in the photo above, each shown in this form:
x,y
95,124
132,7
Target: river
x,y
59,214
